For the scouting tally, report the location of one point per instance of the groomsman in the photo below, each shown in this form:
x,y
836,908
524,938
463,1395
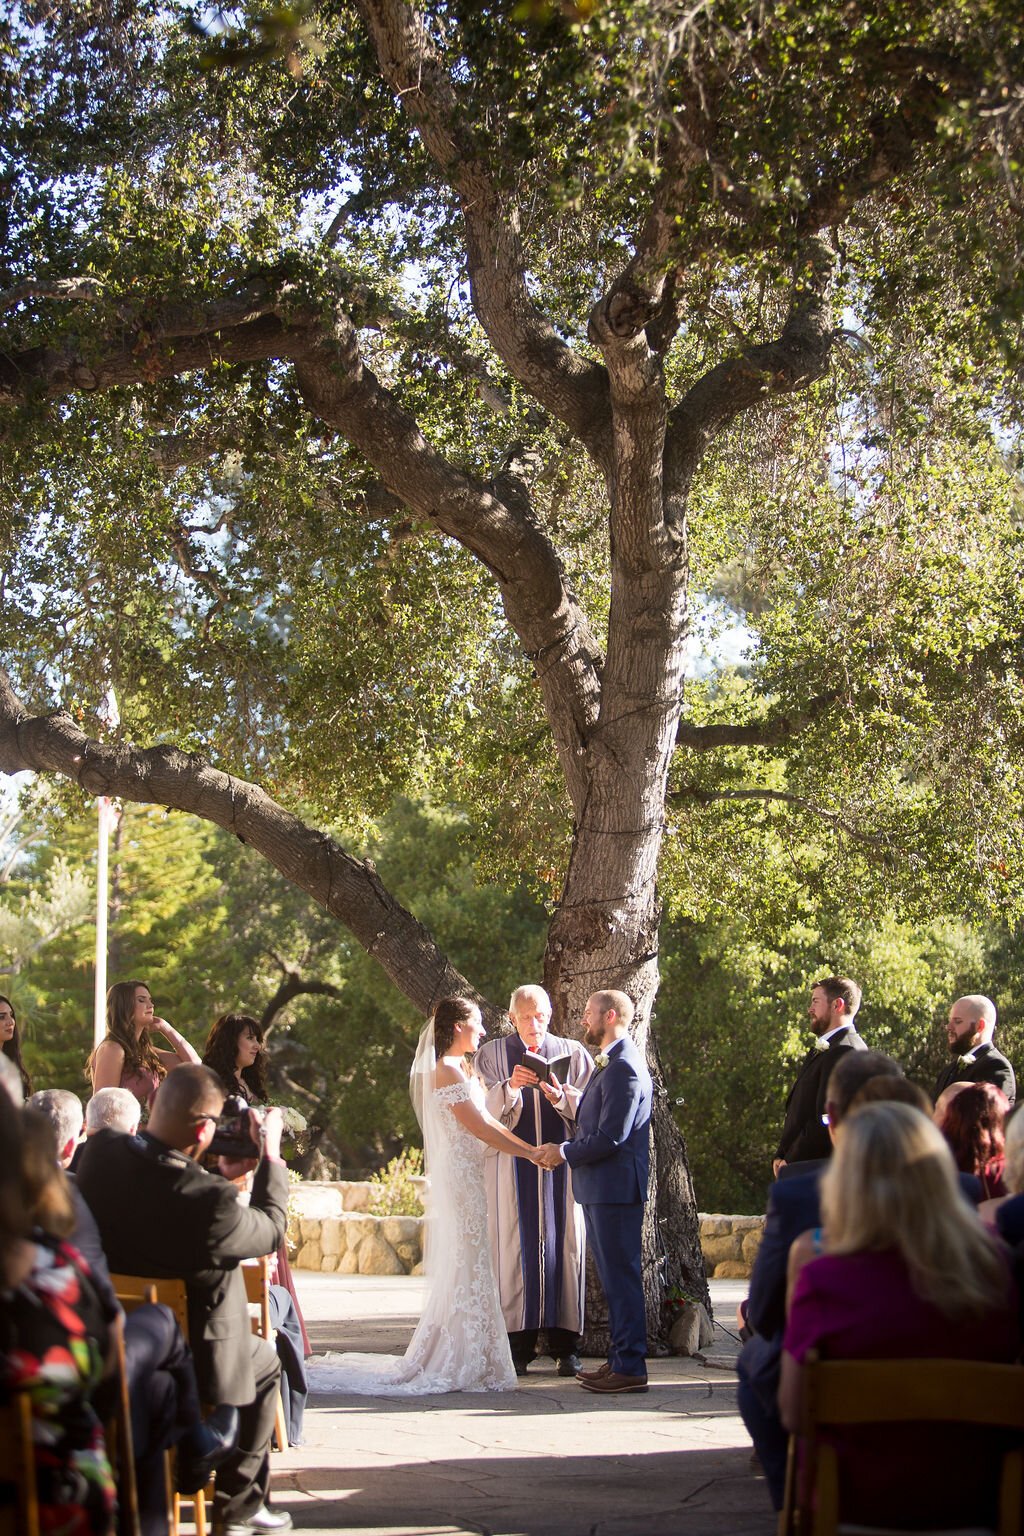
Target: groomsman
x,y
609,1157
972,1023
832,1010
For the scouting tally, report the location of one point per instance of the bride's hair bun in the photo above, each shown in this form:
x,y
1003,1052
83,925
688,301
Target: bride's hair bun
x,y
449,1012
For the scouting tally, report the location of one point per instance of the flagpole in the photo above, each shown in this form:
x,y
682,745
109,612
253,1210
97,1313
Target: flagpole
x,y
110,716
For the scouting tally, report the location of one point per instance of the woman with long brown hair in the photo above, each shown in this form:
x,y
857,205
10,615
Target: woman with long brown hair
x,y
10,1042
234,1050
126,1056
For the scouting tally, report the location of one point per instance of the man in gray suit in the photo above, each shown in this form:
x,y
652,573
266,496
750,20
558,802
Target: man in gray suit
x,y
161,1214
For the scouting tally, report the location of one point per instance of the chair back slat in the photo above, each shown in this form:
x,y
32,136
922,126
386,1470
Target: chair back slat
x,y
19,1514
884,1392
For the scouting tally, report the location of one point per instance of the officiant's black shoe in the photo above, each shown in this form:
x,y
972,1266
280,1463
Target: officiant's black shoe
x,y
205,1447
521,1365
570,1365
613,1381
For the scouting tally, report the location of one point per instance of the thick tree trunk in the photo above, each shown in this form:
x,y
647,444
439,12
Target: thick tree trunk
x,y
605,933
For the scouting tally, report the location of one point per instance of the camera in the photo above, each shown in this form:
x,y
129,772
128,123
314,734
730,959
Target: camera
x,y
232,1138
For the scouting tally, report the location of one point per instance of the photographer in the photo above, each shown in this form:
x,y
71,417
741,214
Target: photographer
x,y
160,1213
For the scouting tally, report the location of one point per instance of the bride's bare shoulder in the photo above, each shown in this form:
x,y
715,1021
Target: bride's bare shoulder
x,y
445,1075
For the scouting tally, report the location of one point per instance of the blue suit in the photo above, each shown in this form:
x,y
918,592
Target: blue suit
x,y
610,1160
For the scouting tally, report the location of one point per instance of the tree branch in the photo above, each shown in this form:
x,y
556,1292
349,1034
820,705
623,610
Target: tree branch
x,y
499,529
65,288
569,386
705,796
349,889
769,732
796,359
373,311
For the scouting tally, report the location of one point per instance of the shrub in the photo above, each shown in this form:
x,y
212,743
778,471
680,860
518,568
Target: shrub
x,y
395,1193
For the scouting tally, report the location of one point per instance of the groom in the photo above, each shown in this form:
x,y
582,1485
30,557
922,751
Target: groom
x,y
609,1157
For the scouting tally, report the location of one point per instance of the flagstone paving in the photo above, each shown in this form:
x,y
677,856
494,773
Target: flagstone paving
x,y
546,1460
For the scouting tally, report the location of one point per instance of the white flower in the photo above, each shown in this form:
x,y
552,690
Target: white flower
x,y
601,1061
966,1061
821,1045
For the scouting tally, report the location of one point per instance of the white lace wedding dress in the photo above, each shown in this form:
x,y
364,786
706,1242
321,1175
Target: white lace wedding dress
x,y
460,1343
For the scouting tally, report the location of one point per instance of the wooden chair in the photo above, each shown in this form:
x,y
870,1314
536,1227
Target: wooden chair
x,y
19,1513
118,1432
257,1292
883,1392
133,1291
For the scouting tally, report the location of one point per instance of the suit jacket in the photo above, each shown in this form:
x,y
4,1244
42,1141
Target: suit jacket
x,y
160,1214
610,1153
803,1135
989,1066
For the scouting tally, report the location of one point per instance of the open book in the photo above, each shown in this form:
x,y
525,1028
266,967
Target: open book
x,y
556,1071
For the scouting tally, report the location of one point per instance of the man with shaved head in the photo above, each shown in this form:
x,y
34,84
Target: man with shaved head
x,y
160,1213
972,1023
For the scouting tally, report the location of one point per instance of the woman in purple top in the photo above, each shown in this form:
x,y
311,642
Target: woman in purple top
x,y
126,1057
908,1272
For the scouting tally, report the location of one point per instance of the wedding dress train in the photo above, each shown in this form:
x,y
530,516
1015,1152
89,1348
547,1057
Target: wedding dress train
x,y
460,1343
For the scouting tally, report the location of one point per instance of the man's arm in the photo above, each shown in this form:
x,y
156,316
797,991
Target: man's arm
x,y
622,1097
504,1099
238,1231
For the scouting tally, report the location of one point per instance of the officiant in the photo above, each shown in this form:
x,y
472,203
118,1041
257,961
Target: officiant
x,y
536,1228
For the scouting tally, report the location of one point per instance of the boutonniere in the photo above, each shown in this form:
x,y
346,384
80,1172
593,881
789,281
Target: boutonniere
x,y
821,1045
966,1060
600,1061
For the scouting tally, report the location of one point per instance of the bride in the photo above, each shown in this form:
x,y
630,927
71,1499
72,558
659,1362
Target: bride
x,y
460,1343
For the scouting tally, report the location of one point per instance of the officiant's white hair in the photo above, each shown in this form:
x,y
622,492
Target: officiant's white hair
x,y
529,991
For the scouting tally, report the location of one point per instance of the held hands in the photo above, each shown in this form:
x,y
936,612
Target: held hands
x,y
548,1156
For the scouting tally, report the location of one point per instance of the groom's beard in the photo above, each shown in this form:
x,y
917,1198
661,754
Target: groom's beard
x,y
593,1037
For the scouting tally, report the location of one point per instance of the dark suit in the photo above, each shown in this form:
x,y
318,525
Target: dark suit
x,y
803,1135
610,1161
989,1066
160,1214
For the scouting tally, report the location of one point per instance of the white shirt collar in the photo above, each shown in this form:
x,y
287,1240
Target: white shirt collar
x,y
846,1024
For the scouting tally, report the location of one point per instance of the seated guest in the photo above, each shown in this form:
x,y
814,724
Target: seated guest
x,y
160,1373
908,1272
54,1332
160,1213
973,1126
112,1109
1007,1212
792,1208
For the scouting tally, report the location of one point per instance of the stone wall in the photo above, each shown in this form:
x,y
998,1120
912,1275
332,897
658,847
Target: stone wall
x,y
329,1230
730,1244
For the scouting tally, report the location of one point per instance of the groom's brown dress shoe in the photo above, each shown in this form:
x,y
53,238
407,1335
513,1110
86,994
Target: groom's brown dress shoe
x,y
613,1382
602,1370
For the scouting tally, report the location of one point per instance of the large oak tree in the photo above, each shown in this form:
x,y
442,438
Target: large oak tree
x,y
386,389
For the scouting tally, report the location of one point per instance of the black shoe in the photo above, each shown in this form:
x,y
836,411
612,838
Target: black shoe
x,y
265,1522
520,1366
203,1449
569,1365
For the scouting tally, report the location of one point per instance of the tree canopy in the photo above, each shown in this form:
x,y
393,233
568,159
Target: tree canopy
x,y
393,396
